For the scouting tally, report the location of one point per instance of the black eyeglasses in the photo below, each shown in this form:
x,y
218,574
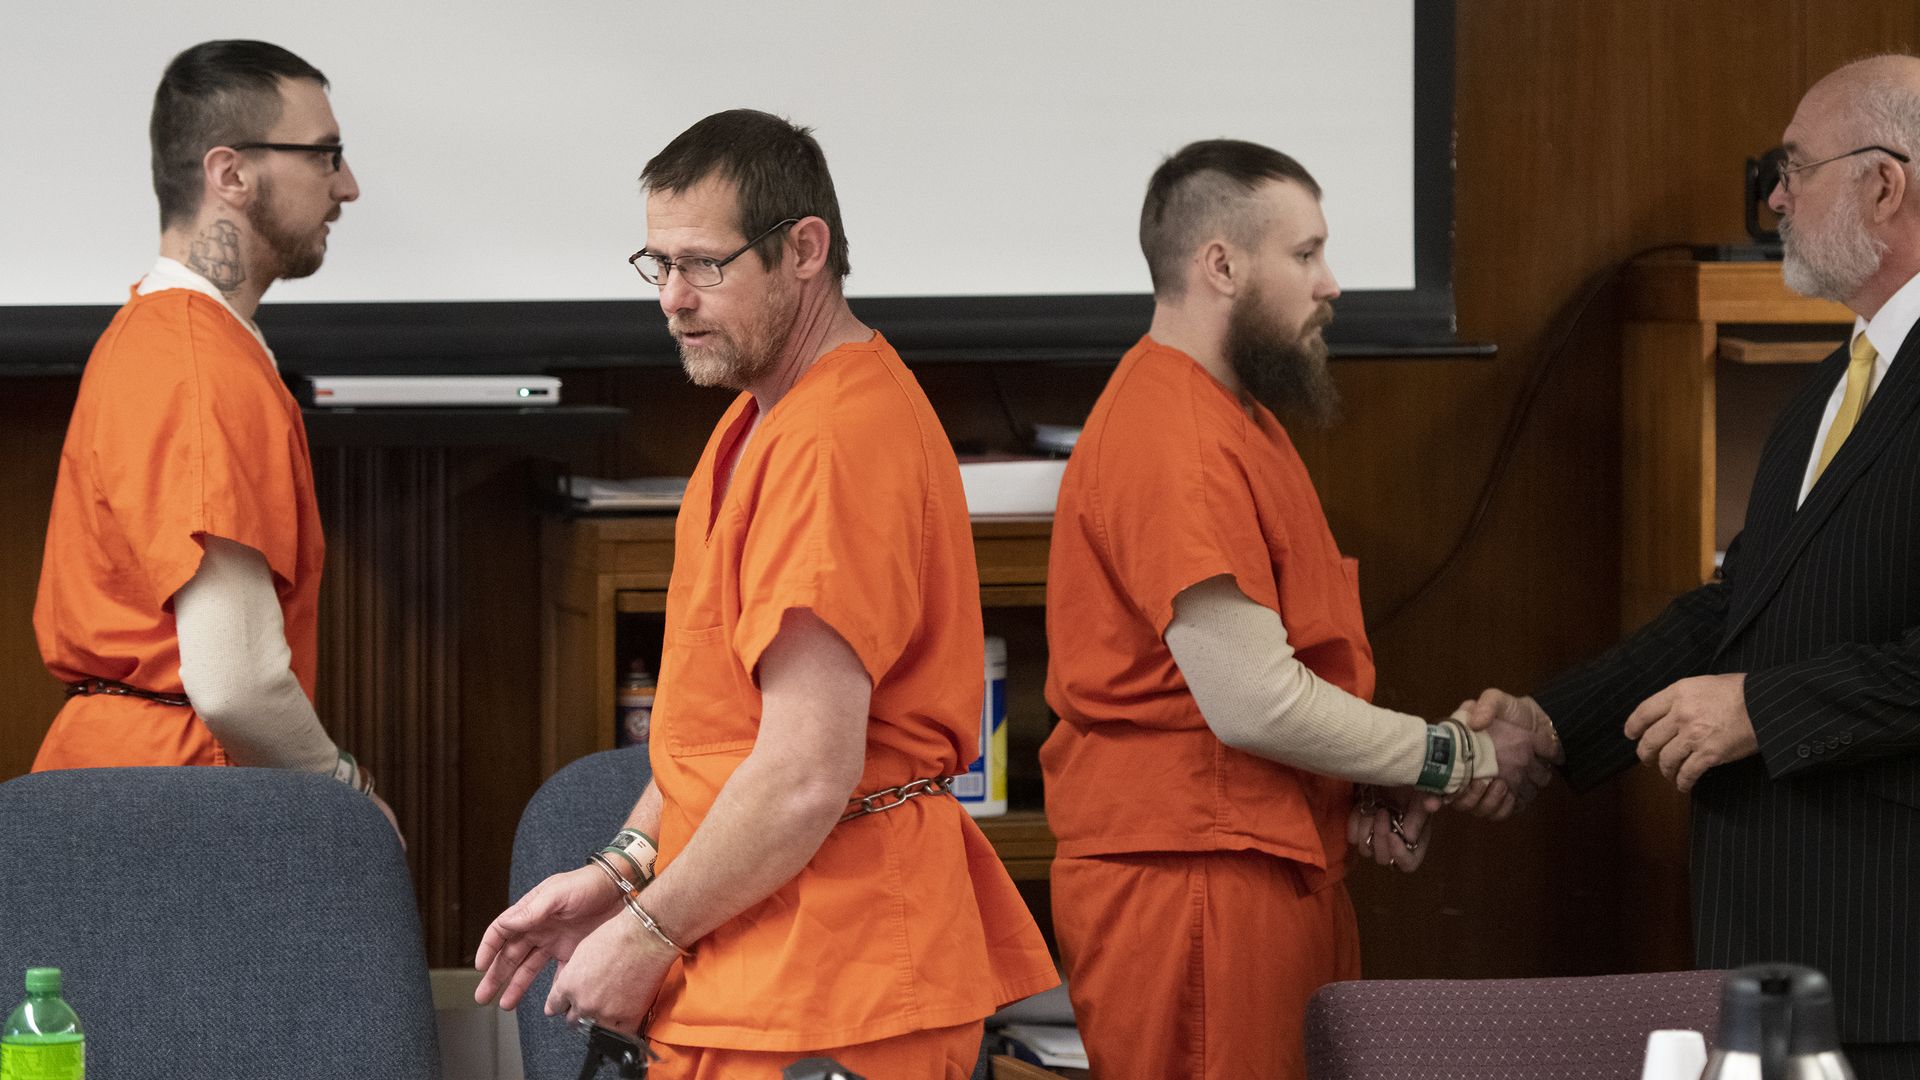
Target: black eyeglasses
x,y
1788,168
700,271
337,152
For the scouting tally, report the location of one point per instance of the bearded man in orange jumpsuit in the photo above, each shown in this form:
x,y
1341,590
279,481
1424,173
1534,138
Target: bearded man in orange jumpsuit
x,y
1208,659
822,661
179,592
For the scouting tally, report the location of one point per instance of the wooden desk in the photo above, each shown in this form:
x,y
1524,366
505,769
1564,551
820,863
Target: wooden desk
x,y
597,570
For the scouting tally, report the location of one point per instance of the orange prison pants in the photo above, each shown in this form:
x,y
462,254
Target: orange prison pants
x,y
1197,965
937,1054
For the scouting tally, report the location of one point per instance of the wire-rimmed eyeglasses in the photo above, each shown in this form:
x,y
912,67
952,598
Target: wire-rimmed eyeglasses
x,y
336,153
700,271
1788,168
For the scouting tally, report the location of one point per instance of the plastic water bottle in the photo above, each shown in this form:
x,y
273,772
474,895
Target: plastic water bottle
x,y
634,705
42,1039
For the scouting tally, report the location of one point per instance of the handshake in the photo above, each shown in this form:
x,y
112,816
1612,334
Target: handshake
x,y
1389,825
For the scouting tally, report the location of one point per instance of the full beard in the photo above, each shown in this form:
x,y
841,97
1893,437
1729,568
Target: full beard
x,y
1832,263
295,253
1286,372
738,362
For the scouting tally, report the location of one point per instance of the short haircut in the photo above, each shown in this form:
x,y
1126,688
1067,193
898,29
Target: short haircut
x,y
1208,189
776,167
215,94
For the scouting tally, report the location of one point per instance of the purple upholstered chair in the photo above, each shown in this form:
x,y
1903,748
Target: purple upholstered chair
x,y
1514,1029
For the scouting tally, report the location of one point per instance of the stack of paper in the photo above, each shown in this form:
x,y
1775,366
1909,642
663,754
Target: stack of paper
x,y
643,493
1053,1045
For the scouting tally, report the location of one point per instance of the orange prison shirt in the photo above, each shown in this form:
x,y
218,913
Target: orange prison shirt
x,y
1198,890
1174,481
846,501
182,429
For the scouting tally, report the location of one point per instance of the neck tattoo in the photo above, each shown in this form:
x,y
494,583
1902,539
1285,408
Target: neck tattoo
x,y
216,256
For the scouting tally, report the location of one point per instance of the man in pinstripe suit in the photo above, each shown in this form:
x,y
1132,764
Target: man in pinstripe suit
x,y
1785,694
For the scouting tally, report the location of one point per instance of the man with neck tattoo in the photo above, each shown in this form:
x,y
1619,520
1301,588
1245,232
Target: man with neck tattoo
x,y
179,590
1209,662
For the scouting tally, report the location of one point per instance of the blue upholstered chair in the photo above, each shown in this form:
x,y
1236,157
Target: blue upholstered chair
x,y
217,923
576,811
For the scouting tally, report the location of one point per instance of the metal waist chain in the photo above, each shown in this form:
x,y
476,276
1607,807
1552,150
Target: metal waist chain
x,y
119,689
888,798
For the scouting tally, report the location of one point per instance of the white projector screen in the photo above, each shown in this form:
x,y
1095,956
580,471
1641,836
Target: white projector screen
x,y
994,148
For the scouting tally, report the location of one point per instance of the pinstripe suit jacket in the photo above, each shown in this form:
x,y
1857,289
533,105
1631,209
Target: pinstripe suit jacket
x,y
1808,851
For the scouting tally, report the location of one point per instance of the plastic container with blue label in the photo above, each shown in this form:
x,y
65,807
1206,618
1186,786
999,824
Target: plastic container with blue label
x,y
982,789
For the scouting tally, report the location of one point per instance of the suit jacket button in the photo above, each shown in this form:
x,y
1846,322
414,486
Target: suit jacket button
x,y
1833,742
1819,748
1804,751
1847,739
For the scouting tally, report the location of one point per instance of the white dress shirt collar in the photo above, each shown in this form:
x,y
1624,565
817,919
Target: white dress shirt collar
x,y
1889,327
1887,330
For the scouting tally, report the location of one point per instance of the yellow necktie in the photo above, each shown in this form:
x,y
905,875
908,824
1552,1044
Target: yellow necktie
x,y
1859,376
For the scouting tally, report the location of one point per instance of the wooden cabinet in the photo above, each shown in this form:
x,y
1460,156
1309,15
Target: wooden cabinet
x,y
604,588
1712,352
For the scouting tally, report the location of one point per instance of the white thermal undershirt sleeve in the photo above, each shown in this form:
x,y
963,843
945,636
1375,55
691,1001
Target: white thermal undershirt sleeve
x,y
235,664
1258,697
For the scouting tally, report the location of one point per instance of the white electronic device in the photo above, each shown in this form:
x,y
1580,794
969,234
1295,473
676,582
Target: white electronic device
x,y
420,391
1012,487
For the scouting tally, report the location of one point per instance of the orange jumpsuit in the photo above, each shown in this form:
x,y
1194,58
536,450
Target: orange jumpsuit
x,y
1198,892
182,428
847,502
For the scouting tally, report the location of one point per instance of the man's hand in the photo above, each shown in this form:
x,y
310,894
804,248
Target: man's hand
x,y
547,924
1694,725
1370,827
613,977
1525,745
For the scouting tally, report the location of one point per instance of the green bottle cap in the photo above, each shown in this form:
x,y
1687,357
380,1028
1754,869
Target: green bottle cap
x,y
43,980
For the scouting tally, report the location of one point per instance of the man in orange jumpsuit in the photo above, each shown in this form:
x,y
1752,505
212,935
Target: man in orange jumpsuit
x,y
822,664
178,594
1208,658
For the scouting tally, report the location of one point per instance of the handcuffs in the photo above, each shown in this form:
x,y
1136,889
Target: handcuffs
x,y
1369,803
629,1058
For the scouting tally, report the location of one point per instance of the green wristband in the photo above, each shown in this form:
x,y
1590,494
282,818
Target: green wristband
x,y
1437,767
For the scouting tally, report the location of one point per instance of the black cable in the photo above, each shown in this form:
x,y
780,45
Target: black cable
x,y
1509,440
1021,431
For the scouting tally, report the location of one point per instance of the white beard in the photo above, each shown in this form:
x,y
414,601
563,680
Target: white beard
x,y
1831,263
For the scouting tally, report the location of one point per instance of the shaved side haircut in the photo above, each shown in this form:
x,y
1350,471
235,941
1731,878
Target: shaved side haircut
x,y
1207,190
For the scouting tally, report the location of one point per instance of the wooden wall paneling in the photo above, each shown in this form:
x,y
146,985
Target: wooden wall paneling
x,y
389,661
499,638
1831,34
671,421
33,422
1718,98
1546,176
